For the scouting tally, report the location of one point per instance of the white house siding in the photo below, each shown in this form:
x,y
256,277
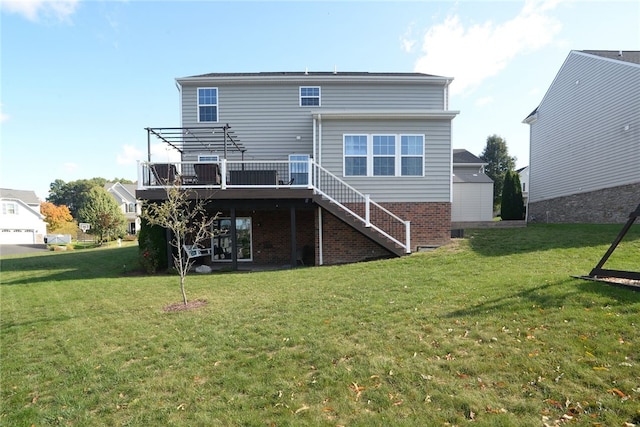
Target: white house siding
x,y
267,119
26,226
472,201
434,186
587,133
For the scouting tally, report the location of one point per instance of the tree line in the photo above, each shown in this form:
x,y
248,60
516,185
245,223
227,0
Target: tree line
x,y
84,200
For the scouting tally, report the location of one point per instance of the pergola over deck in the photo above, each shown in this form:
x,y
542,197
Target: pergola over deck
x,y
215,139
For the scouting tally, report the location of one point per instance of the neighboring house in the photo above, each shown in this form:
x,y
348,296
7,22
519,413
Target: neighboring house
x,y
585,141
312,167
125,196
472,189
21,221
524,182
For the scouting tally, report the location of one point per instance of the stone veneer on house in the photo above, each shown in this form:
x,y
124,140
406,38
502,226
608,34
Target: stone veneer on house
x,y
607,206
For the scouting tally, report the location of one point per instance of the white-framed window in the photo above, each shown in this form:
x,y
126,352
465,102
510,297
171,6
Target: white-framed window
x,y
355,155
383,155
309,96
9,208
208,158
299,169
412,155
131,207
207,104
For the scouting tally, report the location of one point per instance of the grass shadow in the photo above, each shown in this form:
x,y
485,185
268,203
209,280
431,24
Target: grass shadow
x,y
554,294
86,264
543,237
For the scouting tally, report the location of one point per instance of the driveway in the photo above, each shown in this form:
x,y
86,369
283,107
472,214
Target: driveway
x,y
21,249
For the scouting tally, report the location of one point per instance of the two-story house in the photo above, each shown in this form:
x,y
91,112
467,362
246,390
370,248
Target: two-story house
x,y
21,222
312,167
125,196
585,141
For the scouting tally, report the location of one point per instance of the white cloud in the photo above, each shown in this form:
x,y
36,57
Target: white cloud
x,y
3,117
474,53
163,153
129,155
33,10
484,101
70,167
408,40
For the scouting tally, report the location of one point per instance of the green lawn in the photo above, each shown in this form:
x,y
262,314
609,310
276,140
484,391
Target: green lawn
x,y
492,328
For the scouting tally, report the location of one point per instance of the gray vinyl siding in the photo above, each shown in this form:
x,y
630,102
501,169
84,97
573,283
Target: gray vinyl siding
x,y
267,118
579,142
434,186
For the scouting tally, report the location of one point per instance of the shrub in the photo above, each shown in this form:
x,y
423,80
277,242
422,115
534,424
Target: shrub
x,y
512,206
152,248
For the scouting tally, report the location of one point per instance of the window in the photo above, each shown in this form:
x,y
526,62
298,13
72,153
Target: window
x,y
221,242
207,104
299,169
355,155
411,155
208,158
10,208
131,208
384,151
309,96
383,155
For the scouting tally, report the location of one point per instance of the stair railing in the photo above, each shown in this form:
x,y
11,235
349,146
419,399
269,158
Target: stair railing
x,y
360,206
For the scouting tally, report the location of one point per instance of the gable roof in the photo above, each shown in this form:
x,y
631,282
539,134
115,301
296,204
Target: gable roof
x,y
624,57
26,196
632,56
126,192
460,155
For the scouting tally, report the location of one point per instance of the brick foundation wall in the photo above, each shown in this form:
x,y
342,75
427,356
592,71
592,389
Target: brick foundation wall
x,y
607,206
271,235
430,225
341,244
430,221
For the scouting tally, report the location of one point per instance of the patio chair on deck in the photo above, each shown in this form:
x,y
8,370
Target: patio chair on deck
x,y
207,173
165,173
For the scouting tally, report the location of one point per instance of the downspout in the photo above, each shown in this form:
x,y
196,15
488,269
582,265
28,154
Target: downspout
x,y
313,155
319,140
179,87
312,174
320,258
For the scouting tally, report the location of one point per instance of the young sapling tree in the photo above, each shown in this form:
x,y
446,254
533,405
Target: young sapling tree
x,y
188,223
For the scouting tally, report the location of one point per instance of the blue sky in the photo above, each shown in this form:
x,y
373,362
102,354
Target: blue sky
x,y
81,79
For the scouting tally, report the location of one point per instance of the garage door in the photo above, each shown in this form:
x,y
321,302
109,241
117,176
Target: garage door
x,y
16,237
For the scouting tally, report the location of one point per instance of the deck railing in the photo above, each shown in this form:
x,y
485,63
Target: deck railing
x,y
231,174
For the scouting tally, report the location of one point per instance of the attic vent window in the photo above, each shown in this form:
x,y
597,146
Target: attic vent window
x,y
309,96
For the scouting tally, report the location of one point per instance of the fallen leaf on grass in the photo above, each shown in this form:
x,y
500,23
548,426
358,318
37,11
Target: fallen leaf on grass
x,y
600,368
302,408
618,392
